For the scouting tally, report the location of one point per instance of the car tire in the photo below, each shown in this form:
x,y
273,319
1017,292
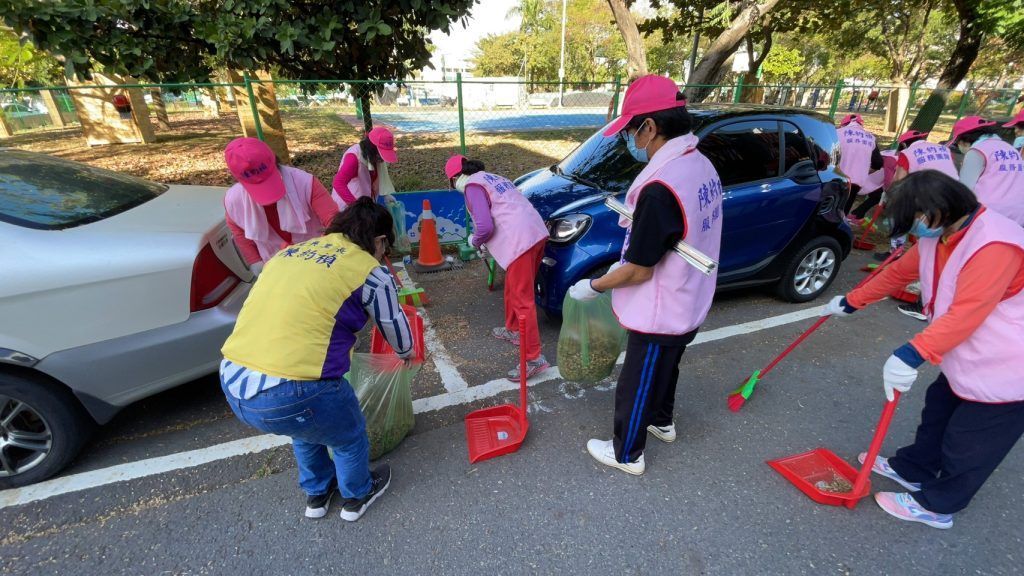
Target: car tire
x,y
810,270
45,414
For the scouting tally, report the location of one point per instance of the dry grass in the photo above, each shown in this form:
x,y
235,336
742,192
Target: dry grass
x,y
191,152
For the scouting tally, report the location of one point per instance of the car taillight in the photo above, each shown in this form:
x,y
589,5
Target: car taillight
x,y
212,281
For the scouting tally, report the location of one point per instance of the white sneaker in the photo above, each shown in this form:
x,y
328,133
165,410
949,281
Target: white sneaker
x,y
663,433
604,452
882,468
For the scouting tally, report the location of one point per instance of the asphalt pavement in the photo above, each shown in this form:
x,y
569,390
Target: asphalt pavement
x,y
707,504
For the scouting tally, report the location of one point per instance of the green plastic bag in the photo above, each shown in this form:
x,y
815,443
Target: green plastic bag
x,y
402,243
383,385
590,341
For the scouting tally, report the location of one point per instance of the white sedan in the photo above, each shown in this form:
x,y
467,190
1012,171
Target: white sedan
x,y
112,288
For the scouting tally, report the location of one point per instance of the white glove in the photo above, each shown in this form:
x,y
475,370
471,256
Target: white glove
x,y
835,308
583,291
618,264
897,375
482,252
256,268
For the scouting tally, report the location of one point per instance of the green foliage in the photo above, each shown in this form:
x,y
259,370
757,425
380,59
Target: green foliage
x,y
783,65
21,64
594,50
185,40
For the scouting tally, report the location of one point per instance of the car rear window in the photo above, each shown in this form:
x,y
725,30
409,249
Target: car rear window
x,y
46,193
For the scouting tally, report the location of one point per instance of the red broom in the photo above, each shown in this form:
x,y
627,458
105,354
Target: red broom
x,y
738,397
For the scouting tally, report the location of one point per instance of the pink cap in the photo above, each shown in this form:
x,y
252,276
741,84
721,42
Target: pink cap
x,y
851,118
645,95
384,140
968,124
453,167
911,135
1018,119
254,165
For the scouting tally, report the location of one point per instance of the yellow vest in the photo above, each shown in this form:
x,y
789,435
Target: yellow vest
x,y
301,318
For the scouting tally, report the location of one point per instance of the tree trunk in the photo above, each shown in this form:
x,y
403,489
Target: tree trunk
x,y
722,47
161,109
964,54
637,64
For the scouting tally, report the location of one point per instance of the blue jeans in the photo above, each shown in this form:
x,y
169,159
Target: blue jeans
x,y
317,415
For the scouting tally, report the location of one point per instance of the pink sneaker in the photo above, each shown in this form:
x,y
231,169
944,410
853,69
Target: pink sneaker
x,y
903,506
502,333
881,467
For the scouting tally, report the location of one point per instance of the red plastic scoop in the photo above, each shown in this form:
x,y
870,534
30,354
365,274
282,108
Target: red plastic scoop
x,y
828,479
500,430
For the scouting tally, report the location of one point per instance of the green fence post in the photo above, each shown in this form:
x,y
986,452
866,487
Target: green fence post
x,y
1013,103
835,99
252,105
615,96
462,113
963,102
737,92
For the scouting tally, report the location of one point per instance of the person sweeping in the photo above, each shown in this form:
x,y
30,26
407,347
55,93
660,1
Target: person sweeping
x,y
970,261
992,169
861,162
510,229
272,205
285,362
363,171
659,298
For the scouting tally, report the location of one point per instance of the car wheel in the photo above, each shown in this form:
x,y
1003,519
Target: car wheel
x,y
810,270
42,429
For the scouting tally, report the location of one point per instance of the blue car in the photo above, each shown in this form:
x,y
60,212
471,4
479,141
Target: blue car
x,y
783,201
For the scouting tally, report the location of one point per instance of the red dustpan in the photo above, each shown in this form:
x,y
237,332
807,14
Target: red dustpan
x,y
826,478
499,430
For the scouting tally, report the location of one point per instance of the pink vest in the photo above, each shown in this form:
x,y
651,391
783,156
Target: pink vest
x,y
855,147
1001,185
517,225
294,211
360,186
987,367
924,155
677,298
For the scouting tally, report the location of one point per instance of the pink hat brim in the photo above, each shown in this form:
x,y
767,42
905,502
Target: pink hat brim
x,y
1014,123
267,192
617,125
389,156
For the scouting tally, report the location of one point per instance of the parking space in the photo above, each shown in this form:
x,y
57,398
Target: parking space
x,y
707,504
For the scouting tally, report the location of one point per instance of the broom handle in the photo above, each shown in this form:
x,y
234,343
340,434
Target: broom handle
x,y
874,449
392,270
871,224
522,367
764,371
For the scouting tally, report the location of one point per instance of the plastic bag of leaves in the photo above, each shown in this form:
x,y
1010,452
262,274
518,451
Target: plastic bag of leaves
x,y
402,243
590,341
383,385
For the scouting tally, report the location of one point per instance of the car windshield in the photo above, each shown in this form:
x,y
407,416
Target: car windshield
x,y
46,193
605,161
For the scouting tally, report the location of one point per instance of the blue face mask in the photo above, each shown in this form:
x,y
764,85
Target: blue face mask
x,y
1018,142
921,230
639,154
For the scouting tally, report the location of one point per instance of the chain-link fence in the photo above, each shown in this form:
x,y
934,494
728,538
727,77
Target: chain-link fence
x,y
512,125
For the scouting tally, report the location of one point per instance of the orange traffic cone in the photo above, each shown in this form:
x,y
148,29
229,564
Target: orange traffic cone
x,y
430,258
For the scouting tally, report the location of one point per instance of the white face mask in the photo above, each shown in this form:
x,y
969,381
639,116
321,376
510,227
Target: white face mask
x,y
460,183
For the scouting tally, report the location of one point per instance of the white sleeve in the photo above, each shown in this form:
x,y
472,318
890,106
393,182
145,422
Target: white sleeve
x,y
380,300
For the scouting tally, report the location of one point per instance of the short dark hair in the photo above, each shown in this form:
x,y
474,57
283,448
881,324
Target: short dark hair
x,y
670,123
972,136
370,151
942,199
362,222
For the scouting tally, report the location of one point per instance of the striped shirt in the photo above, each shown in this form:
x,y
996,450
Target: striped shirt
x,y
379,297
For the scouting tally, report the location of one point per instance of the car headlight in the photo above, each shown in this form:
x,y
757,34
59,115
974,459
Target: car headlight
x,y
568,228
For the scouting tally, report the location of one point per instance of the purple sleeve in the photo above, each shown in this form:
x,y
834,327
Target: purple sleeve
x,y
480,210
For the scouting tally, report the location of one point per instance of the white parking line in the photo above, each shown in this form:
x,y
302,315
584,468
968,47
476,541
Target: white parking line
x,y
450,377
172,462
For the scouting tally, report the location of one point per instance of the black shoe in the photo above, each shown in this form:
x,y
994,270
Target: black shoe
x,y
914,310
316,506
882,256
380,479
